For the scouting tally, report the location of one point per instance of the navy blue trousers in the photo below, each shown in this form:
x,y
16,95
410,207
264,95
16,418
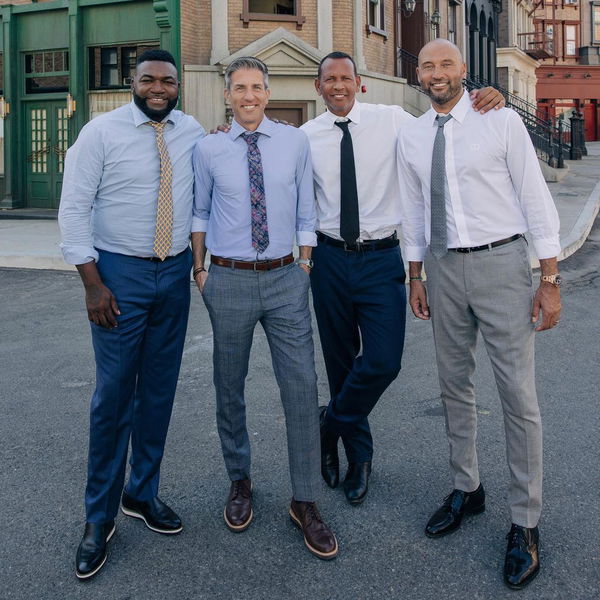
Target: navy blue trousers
x,y
360,305
137,366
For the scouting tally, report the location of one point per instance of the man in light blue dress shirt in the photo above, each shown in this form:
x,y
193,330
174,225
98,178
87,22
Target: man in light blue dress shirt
x,y
253,194
116,175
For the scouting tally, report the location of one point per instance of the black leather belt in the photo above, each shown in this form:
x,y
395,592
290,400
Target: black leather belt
x,y
260,265
507,240
381,244
156,259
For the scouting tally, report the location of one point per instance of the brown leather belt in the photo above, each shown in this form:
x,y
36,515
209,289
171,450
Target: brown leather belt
x,y
260,265
507,240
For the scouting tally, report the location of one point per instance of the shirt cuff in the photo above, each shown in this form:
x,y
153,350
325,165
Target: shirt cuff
x,y
415,253
78,255
199,225
547,247
306,238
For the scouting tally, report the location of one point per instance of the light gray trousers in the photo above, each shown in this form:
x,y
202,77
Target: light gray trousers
x,y
492,292
236,301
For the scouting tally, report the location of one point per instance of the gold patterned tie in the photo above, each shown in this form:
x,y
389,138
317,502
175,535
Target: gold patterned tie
x,y
164,208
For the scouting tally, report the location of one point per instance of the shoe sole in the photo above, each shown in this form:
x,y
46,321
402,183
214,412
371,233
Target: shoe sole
x,y
82,576
137,515
237,528
322,555
469,513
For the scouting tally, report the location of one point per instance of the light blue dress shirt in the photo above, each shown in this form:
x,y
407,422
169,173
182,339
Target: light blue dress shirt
x,y
110,185
222,191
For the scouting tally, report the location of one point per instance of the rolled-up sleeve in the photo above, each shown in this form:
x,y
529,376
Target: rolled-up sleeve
x,y
306,213
84,164
411,208
202,188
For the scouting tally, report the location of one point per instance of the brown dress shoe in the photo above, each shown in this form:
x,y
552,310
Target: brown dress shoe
x,y
238,510
319,539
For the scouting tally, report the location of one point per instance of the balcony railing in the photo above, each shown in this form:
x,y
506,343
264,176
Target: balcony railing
x,y
537,44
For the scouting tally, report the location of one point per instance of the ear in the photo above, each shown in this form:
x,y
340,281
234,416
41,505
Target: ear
x,y
358,82
226,95
418,75
268,92
318,86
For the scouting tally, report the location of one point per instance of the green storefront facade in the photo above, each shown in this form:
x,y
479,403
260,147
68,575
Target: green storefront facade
x,y
65,61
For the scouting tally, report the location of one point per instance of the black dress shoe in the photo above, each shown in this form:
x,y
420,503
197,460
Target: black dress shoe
x,y
356,482
447,518
155,513
522,561
91,554
238,508
330,462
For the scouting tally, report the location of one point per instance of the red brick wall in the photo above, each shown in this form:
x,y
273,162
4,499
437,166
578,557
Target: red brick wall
x,y
195,32
380,52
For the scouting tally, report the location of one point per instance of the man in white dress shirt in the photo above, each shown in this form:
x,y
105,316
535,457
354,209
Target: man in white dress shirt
x,y
472,186
358,275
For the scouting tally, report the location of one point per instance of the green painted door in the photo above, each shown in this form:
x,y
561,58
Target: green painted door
x,y
46,126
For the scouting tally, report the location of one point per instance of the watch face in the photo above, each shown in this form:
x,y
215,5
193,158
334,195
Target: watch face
x,y
558,280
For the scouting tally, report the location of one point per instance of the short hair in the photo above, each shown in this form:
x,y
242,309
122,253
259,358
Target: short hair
x,y
246,62
155,54
336,54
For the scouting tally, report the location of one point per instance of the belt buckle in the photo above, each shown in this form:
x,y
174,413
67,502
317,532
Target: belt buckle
x,y
354,248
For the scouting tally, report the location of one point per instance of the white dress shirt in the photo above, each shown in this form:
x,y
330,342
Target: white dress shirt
x,y
110,187
374,129
495,184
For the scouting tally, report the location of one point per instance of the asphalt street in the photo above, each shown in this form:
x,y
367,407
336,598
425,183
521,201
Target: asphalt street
x,y
47,378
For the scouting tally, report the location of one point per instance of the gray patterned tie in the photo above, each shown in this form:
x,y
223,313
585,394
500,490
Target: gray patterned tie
x,y
438,243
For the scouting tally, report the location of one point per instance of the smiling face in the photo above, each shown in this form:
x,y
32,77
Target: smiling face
x,y
248,96
338,85
155,88
441,71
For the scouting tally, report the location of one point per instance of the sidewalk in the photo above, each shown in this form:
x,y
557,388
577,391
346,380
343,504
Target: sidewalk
x,y
31,242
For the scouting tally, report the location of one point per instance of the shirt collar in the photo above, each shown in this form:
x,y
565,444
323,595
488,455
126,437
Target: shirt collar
x,y
265,127
139,117
353,115
458,112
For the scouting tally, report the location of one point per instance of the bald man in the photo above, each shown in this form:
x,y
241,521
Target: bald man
x,y
472,187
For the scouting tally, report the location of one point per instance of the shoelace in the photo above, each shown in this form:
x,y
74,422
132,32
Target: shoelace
x,y
311,513
516,537
239,489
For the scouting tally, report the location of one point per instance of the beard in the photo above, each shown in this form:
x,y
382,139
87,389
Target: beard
x,y
453,90
151,113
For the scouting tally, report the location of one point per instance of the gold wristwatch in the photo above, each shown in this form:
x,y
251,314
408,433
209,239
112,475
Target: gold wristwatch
x,y
555,279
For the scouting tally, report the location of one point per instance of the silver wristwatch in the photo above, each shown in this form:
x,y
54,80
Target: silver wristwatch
x,y
305,261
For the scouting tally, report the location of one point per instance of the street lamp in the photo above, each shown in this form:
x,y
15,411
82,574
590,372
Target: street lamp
x,y
435,19
408,7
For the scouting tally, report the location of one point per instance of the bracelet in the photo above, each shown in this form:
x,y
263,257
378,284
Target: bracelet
x,y
419,278
196,271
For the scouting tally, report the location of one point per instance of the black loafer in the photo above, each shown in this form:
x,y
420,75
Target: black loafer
x,y
522,562
155,513
448,517
92,553
330,462
356,482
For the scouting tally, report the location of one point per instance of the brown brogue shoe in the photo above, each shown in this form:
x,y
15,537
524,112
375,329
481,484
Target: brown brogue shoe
x,y
319,539
238,510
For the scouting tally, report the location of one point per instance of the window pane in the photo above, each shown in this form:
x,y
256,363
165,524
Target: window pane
x,y
48,62
109,75
276,7
44,85
109,56
59,63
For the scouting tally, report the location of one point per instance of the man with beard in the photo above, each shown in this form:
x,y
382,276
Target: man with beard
x,y
125,217
472,188
358,275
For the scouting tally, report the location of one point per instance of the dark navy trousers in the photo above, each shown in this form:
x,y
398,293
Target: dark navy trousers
x,y
137,366
360,305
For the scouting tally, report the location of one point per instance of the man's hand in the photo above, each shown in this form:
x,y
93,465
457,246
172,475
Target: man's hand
x,y
547,300
200,279
101,305
305,268
224,128
418,300
487,98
